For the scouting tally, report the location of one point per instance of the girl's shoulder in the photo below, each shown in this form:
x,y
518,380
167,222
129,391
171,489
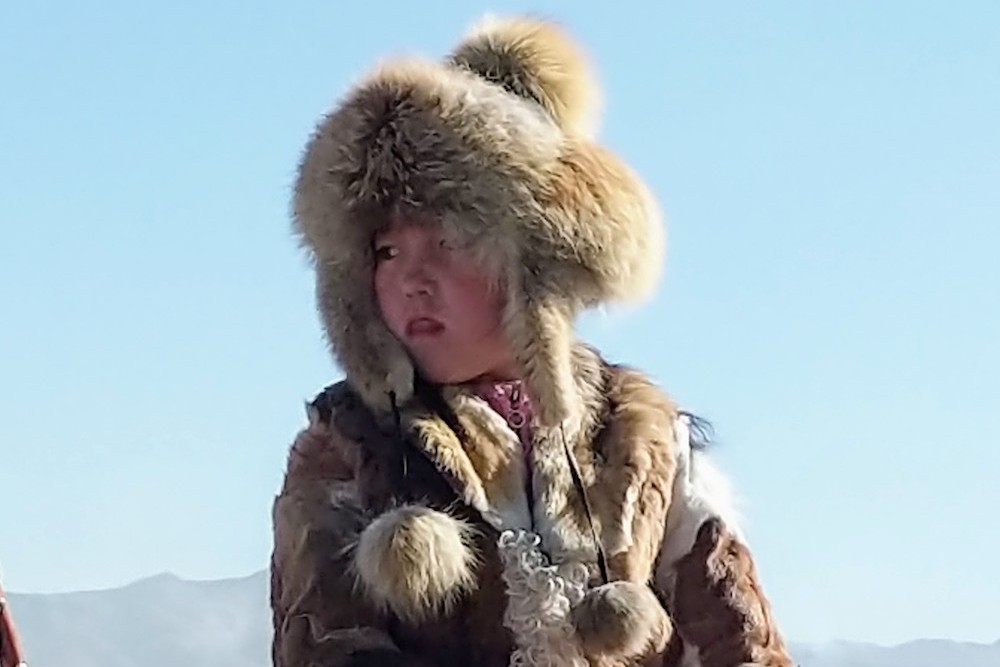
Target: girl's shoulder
x,y
326,449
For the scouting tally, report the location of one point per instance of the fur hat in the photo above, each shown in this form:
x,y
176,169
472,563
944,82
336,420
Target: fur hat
x,y
496,142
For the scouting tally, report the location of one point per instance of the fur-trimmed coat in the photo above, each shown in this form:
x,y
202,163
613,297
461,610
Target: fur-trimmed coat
x,y
394,540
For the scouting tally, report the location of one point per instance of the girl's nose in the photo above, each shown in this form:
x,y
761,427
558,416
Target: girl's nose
x,y
417,280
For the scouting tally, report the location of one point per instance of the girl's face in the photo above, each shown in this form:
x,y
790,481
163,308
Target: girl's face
x,y
441,305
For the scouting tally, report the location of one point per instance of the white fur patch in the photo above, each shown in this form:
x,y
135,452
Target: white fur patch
x,y
691,656
701,492
415,561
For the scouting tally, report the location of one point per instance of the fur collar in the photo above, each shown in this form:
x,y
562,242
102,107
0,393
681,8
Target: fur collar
x,y
487,468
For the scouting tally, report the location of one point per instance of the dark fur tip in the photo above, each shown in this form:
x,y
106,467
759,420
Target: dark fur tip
x,y
702,431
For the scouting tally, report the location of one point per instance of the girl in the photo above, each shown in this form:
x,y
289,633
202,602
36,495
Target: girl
x,y
482,488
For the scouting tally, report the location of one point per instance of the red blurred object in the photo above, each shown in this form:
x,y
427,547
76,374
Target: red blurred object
x,y
11,650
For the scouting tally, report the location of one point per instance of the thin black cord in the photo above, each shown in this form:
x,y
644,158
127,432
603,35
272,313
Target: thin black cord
x,y
397,422
574,469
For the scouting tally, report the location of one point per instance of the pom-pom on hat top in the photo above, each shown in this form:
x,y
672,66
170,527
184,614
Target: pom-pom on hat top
x,y
496,142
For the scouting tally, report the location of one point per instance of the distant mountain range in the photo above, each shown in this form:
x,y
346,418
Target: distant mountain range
x,y
165,621
920,653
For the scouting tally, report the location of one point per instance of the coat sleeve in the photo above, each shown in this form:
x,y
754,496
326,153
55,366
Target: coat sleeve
x,y
715,596
319,618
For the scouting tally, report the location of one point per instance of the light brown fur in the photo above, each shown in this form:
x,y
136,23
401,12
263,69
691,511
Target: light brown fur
x,y
416,561
621,620
535,60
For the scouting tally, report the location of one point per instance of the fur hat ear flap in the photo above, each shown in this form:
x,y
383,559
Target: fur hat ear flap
x,y
614,223
372,357
416,562
622,620
535,60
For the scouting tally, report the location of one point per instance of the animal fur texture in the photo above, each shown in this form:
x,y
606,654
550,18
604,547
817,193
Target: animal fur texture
x,y
536,61
415,561
621,619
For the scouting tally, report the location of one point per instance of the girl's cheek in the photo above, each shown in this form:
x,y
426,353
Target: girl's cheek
x,y
391,318
384,278
383,295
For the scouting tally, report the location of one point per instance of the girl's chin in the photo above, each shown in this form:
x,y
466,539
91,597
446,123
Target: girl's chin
x,y
446,375
440,365
445,371
442,374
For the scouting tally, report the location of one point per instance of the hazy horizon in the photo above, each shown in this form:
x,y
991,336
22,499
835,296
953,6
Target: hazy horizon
x,y
16,596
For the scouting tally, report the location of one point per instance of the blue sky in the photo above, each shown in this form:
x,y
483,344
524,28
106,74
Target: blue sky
x,y
831,177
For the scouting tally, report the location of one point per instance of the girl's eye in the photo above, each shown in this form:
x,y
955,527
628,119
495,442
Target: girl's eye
x,y
385,252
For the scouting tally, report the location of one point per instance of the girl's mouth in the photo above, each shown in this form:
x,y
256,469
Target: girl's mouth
x,y
423,326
